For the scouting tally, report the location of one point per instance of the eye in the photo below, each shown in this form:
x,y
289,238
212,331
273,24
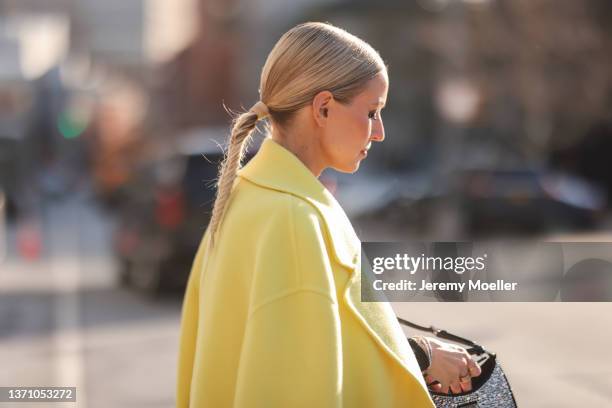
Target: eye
x,y
373,115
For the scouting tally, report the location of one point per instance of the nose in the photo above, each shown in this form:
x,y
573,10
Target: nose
x,y
378,131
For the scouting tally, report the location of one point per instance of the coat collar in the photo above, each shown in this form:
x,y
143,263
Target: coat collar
x,y
277,168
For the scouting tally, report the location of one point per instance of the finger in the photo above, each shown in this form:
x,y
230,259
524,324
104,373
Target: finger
x,y
455,388
431,382
466,385
473,368
437,387
463,367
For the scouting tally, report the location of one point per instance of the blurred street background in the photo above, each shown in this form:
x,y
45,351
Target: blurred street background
x,y
113,115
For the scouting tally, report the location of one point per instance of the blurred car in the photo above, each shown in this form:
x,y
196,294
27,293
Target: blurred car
x,y
527,201
3,238
163,214
15,101
494,202
8,171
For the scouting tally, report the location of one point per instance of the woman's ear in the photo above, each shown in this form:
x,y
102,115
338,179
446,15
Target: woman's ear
x,y
320,107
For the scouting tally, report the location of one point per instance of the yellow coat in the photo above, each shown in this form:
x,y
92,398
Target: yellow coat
x,y
272,316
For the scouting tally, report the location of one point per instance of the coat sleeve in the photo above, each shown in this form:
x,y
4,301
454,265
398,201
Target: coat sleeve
x,y
189,330
292,347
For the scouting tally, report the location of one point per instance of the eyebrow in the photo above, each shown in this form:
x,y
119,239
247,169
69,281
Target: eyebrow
x,y
379,103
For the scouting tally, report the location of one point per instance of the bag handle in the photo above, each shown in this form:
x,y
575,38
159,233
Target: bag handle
x,y
443,334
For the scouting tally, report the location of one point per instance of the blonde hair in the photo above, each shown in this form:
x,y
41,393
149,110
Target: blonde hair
x,y
309,58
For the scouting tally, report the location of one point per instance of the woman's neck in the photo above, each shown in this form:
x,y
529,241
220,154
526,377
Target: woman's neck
x,y
304,146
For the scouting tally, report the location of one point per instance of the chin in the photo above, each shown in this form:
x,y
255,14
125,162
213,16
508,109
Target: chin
x,y
349,168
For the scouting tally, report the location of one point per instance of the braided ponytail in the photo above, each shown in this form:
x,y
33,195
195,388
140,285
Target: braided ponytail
x,y
242,130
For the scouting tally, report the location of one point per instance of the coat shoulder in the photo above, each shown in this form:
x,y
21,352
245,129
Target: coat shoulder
x,y
285,235
270,208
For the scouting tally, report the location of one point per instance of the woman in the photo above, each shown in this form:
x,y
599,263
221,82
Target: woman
x,y
272,314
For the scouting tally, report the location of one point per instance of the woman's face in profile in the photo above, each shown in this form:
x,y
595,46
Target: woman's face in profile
x,y
352,128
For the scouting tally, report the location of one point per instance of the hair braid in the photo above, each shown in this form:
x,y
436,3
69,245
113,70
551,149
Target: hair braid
x,y
242,130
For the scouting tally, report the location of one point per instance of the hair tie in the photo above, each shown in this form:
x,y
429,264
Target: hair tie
x,y
260,109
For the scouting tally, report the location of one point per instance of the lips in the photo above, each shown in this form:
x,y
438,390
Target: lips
x,y
365,151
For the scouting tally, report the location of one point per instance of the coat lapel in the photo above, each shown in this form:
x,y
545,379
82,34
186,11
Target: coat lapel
x,y
276,168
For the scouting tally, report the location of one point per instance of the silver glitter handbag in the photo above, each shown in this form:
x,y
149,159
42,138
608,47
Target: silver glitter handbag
x,y
490,389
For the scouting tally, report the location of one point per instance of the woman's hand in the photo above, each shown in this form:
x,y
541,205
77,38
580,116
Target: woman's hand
x,y
451,368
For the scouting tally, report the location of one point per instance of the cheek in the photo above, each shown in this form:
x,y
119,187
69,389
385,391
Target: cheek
x,y
349,136
363,131
359,127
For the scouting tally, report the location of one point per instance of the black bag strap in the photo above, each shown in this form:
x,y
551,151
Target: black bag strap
x,y
443,334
